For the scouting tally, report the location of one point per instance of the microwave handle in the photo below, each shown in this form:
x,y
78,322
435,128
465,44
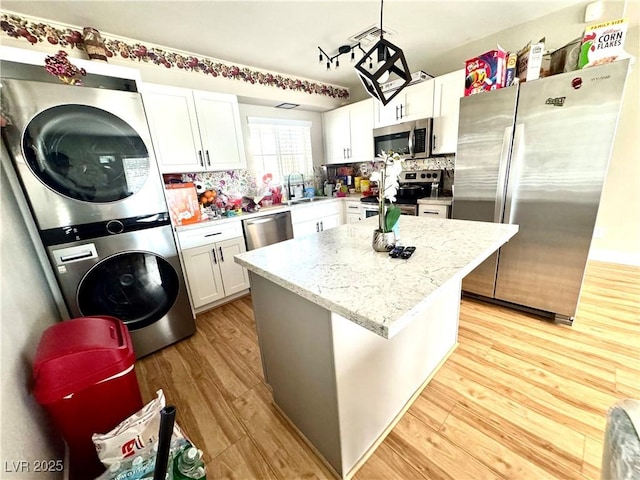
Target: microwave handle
x,y
412,134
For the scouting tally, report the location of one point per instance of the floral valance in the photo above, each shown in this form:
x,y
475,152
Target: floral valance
x,y
34,32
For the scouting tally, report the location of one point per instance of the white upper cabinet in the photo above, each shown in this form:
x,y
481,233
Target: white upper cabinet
x,y
193,131
412,103
348,133
446,109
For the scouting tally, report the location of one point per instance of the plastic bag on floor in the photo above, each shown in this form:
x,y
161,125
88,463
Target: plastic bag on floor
x,y
129,450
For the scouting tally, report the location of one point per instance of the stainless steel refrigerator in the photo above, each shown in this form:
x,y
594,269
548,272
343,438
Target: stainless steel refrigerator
x,y
537,155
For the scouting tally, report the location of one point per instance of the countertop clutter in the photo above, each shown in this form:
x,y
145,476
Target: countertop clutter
x,y
381,300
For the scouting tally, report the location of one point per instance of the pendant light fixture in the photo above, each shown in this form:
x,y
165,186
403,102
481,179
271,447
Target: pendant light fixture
x,y
390,65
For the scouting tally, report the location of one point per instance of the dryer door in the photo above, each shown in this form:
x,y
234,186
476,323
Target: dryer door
x,y
85,153
139,288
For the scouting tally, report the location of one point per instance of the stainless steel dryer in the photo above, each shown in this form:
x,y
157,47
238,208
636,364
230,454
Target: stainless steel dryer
x,y
86,166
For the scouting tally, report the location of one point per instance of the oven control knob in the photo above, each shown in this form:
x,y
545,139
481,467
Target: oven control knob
x,y
422,175
114,227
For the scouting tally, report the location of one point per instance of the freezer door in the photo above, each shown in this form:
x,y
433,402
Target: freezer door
x,y
484,144
564,134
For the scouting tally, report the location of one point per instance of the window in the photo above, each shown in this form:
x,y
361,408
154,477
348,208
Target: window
x,y
281,146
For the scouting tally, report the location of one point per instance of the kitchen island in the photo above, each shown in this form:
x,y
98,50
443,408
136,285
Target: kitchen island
x,y
348,336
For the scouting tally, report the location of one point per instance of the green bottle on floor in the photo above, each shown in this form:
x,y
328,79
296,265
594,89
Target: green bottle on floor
x,y
188,464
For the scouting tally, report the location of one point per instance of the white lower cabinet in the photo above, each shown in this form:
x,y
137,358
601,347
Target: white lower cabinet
x,y
352,212
427,210
211,272
310,219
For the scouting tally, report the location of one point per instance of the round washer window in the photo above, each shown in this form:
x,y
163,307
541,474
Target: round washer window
x,y
139,288
86,153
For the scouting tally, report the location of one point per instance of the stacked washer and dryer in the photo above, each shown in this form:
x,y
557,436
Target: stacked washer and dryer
x,y
85,162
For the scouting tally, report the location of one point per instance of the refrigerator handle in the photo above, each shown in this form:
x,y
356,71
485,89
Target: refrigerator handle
x,y
514,172
502,174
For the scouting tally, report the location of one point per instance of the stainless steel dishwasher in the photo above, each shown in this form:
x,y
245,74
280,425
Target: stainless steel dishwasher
x,y
267,229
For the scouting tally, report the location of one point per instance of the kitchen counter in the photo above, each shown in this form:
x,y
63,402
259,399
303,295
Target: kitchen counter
x,y
339,270
263,211
448,201
349,337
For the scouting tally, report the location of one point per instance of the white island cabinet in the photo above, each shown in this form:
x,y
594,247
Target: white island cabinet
x,y
344,363
193,130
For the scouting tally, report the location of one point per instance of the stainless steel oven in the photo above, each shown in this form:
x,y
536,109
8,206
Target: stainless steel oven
x,y
371,209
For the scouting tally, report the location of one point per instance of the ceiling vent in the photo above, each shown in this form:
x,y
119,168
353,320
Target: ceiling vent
x,y
370,34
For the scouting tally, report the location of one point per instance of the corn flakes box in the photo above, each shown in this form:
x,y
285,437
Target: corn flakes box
x,y
485,72
602,43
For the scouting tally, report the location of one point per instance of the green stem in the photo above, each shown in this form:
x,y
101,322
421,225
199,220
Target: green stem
x,y
381,212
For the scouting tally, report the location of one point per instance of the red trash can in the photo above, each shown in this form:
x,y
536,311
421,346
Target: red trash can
x,y
85,379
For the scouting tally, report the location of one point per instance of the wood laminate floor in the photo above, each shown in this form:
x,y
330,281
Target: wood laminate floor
x,y
520,398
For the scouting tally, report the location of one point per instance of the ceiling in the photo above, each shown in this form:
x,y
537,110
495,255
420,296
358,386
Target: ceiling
x,y
284,36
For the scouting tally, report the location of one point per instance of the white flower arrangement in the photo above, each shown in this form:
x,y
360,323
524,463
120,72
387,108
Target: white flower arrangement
x,y
387,179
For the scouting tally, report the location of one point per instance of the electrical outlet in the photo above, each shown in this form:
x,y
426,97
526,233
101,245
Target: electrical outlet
x,y
593,12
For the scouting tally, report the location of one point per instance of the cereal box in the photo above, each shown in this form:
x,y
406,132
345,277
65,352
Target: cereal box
x,y
530,61
510,74
485,72
602,43
183,203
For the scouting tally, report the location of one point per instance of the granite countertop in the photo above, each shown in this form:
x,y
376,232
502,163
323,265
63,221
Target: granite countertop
x,y
441,200
338,270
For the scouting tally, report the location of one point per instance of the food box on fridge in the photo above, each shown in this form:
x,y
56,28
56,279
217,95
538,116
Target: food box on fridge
x,y
510,74
565,59
183,203
485,72
602,43
530,61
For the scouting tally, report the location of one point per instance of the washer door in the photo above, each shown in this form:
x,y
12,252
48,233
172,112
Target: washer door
x,y
85,153
139,288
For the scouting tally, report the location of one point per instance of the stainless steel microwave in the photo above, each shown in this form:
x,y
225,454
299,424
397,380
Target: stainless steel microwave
x,y
410,140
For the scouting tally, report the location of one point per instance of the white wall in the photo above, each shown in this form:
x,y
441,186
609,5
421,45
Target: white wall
x,y
618,224
26,309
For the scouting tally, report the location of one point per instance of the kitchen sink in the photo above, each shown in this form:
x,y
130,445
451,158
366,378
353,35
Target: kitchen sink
x,y
295,201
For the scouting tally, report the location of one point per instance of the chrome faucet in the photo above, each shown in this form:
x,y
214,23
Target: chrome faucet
x,y
289,182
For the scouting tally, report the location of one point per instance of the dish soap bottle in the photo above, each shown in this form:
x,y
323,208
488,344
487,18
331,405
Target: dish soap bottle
x,y
188,465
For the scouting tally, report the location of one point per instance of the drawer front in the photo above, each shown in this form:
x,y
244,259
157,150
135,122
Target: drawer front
x,y
210,234
439,211
302,213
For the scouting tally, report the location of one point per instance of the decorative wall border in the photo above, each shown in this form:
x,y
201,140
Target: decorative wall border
x,y
34,31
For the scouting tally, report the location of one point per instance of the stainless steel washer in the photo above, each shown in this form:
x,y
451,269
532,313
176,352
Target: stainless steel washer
x,y
134,276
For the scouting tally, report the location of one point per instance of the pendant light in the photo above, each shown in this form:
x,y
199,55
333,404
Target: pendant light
x,y
390,62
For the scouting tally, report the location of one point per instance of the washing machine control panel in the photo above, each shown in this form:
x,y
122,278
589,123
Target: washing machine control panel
x,y
87,231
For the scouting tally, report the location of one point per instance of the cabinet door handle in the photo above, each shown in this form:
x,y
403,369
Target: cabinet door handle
x,y
213,234
215,260
221,255
401,114
434,142
397,118
208,159
430,212
200,157
321,227
317,227
348,153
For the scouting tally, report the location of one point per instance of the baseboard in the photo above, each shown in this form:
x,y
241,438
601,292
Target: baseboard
x,y
615,256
